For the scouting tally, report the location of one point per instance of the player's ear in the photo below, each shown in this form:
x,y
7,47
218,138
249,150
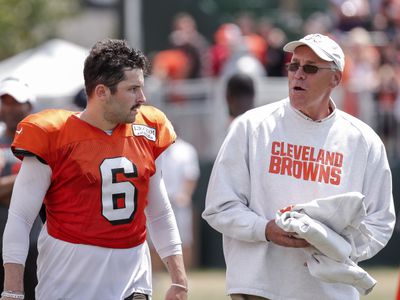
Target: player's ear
x,y
101,90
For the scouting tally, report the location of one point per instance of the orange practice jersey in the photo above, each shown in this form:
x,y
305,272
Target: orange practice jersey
x,y
99,182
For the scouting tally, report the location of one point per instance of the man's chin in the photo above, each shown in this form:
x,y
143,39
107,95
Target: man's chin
x,y
131,118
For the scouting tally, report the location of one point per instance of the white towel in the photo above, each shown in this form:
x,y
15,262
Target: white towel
x,y
348,272
337,212
317,234
324,223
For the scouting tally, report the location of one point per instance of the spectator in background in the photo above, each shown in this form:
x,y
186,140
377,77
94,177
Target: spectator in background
x,y
385,96
17,102
80,99
275,61
181,171
318,22
386,18
240,58
275,58
231,54
171,64
186,58
185,36
256,44
219,52
363,62
349,14
240,94
168,66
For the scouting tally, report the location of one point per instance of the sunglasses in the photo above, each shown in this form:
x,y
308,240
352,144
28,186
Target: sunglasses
x,y
308,69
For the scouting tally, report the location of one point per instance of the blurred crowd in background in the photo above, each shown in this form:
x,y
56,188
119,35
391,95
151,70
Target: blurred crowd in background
x,y
248,40
368,31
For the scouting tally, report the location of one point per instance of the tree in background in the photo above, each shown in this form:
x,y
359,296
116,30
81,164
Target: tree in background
x,y
26,23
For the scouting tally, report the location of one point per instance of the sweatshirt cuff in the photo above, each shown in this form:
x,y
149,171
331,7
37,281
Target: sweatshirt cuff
x,y
260,229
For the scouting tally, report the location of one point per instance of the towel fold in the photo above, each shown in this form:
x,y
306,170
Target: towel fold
x,y
324,223
317,234
349,272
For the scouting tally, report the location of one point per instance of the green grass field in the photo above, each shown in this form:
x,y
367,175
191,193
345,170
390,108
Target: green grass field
x,y
210,284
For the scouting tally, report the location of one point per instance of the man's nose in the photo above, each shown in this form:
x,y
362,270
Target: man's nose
x,y
141,96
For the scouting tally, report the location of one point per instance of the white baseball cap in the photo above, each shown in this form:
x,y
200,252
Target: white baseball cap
x,y
17,89
326,48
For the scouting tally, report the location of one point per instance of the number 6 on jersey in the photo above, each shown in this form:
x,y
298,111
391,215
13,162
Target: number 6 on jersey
x,y
118,198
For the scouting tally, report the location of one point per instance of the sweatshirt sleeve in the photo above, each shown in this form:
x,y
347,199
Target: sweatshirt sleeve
x,y
377,227
227,200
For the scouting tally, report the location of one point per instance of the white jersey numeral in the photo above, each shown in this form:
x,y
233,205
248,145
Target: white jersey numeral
x,y
118,198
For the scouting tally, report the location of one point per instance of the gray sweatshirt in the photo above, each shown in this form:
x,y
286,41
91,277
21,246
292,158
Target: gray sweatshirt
x,y
272,157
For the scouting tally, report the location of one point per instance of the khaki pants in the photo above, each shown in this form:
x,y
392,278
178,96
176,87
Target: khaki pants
x,y
246,297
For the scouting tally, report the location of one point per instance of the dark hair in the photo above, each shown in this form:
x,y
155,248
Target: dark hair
x,y
107,62
80,99
240,93
240,85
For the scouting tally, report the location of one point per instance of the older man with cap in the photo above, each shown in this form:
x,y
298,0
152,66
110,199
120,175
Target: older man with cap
x,y
292,152
17,101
